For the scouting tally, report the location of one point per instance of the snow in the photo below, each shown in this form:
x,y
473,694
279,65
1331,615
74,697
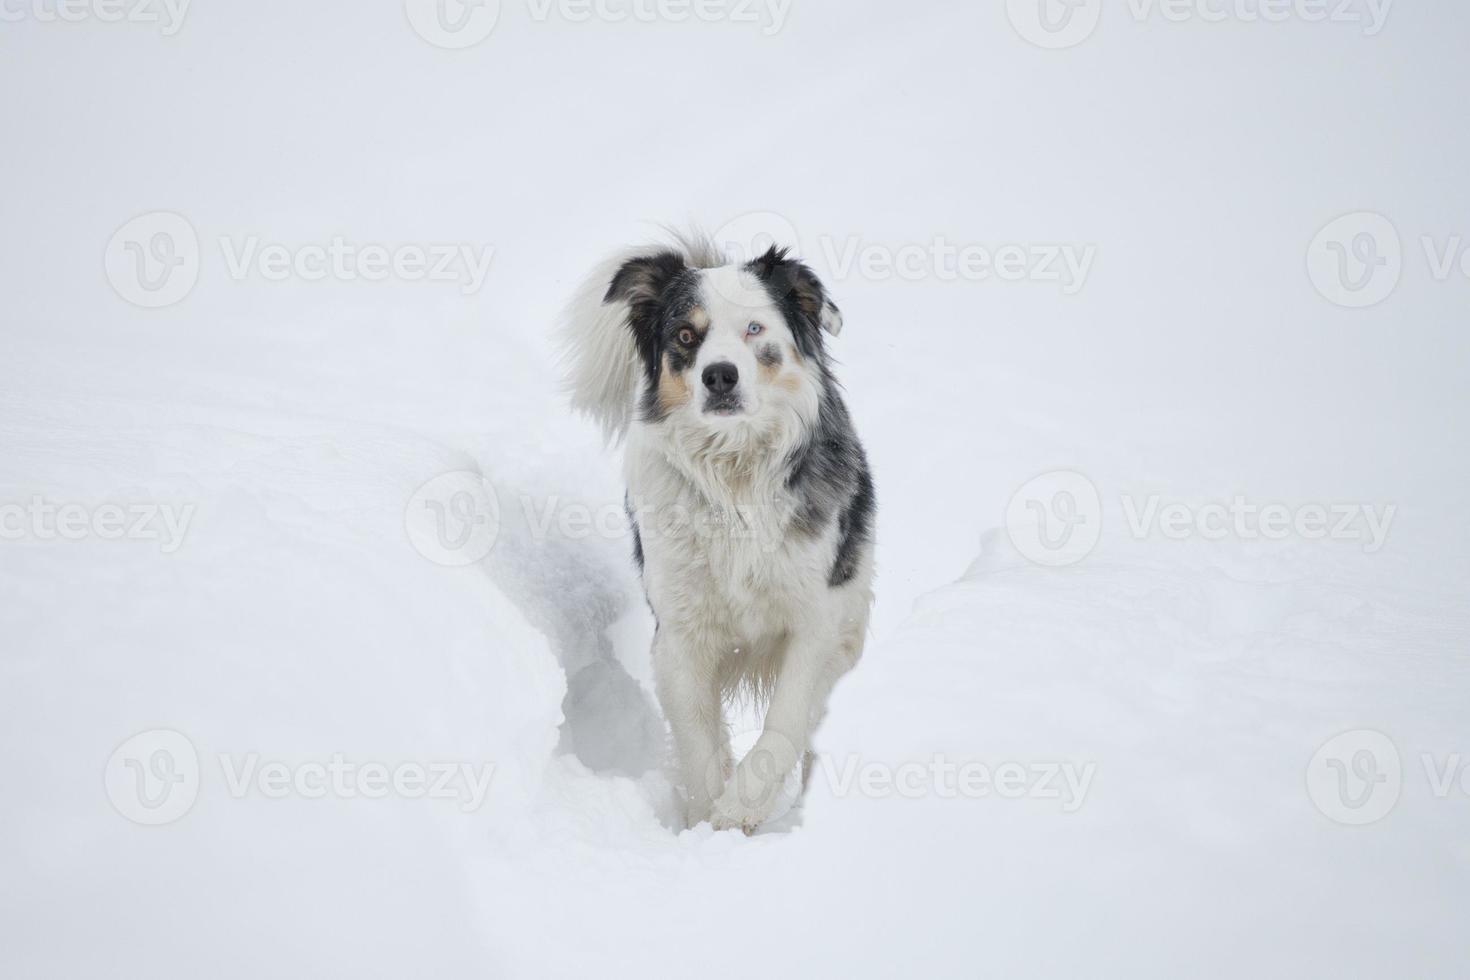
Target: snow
x,y
1184,686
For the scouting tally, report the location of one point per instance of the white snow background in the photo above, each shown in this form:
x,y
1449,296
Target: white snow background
x,y
1195,680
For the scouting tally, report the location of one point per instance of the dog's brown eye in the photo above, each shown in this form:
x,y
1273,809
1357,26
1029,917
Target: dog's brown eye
x,y
686,336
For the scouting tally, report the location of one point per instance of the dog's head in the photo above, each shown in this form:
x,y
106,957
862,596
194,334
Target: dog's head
x,y
729,349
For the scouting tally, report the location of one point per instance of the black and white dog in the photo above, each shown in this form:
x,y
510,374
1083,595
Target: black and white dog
x,y
750,496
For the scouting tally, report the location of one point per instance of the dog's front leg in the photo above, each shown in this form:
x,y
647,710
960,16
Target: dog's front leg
x,y
806,677
686,680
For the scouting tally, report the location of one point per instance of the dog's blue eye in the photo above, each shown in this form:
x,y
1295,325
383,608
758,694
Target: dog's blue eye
x,y
754,329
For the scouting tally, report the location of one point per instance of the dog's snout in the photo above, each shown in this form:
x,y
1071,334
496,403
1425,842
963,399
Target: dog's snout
x,y
721,378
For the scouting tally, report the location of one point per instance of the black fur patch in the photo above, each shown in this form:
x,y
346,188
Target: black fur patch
x,y
769,356
637,538
855,529
830,476
798,294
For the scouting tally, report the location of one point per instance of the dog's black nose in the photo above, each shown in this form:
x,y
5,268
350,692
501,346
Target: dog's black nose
x,y
721,378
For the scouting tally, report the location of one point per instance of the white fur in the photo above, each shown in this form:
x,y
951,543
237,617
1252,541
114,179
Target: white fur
x,y
599,356
741,596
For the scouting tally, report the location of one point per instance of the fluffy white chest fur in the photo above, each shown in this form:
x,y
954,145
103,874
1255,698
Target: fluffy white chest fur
x,y
721,552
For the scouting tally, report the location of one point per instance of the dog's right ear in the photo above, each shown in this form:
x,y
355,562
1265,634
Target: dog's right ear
x,y
643,279
640,282
609,333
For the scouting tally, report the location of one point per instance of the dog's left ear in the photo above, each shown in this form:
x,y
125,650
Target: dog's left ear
x,y
786,276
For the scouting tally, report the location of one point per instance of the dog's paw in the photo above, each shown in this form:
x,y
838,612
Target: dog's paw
x,y
730,812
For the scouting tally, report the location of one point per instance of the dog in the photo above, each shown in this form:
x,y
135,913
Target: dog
x,y
749,494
